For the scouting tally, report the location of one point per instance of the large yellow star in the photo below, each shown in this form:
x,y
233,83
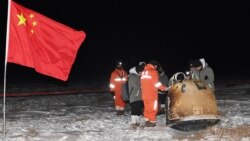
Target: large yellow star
x,y
22,19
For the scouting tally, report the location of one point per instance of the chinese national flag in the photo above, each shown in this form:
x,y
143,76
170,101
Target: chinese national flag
x,y
41,43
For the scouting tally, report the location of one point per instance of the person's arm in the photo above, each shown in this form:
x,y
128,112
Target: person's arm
x,y
209,75
112,85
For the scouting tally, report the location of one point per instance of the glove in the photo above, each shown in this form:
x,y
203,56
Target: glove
x,y
168,88
112,93
161,92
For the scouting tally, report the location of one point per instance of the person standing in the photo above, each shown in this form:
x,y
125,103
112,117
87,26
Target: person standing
x,y
118,77
162,95
150,85
135,97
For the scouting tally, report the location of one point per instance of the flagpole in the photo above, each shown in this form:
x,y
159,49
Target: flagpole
x,y
5,68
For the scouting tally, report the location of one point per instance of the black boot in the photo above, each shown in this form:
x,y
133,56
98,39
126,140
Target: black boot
x,y
161,111
150,124
120,112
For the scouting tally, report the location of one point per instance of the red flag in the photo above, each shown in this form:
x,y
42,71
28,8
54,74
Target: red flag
x,y
41,43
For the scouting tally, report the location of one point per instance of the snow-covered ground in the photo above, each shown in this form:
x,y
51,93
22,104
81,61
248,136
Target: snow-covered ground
x,y
91,117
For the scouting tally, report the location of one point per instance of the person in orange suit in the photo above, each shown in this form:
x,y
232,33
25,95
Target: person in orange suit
x,y
150,85
118,77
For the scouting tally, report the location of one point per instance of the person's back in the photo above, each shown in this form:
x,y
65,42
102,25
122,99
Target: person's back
x,y
148,80
150,85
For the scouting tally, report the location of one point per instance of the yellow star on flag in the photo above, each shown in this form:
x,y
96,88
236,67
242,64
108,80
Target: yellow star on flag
x,y
34,23
31,16
22,19
32,31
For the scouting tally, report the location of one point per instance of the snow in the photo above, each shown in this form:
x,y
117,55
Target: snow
x,y
91,117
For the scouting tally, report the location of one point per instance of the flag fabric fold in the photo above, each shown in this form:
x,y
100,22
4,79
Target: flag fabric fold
x,y
41,43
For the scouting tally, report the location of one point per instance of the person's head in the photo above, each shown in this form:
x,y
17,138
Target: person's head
x,y
119,64
155,63
160,69
142,63
139,69
195,64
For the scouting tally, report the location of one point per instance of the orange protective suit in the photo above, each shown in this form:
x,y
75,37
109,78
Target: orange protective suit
x,y
118,77
150,85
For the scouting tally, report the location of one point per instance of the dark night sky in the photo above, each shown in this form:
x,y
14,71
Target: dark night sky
x,y
169,31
